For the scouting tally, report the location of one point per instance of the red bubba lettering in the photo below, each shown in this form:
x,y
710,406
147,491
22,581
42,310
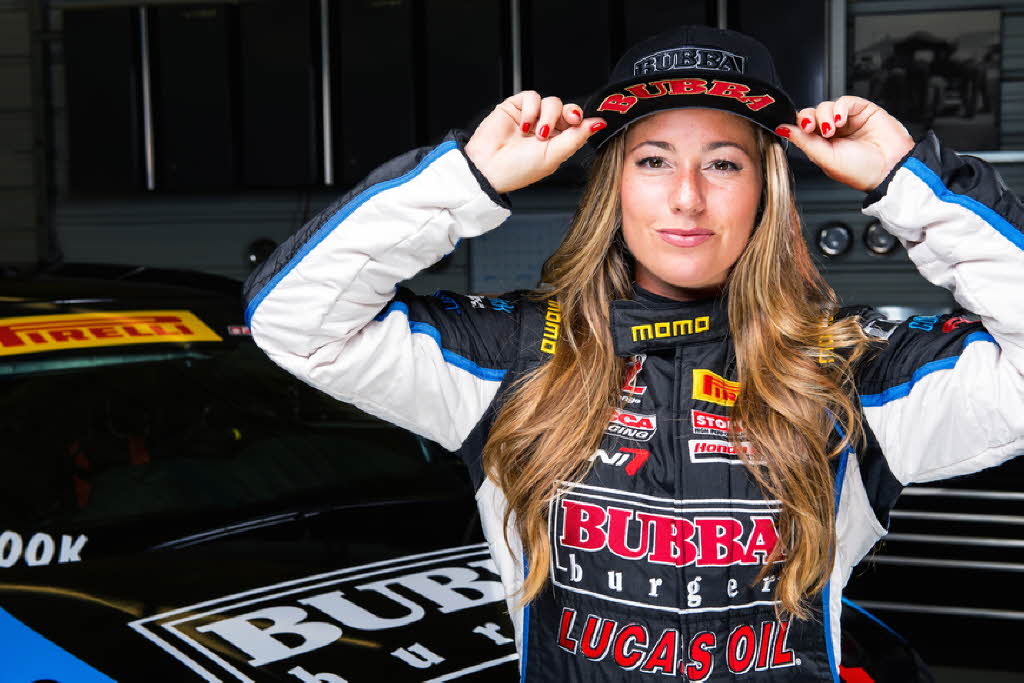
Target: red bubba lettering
x,y
618,102
687,86
641,91
727,89
666,540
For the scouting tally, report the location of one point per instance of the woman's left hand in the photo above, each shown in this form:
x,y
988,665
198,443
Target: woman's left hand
x,y
854,141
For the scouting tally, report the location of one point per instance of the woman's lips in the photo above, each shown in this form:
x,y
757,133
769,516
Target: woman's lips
x,y
685,238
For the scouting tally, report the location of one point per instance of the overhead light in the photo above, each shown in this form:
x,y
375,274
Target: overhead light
x,y
878,240
834,238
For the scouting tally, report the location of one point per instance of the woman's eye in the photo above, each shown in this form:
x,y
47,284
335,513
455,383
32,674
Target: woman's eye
x,y
651,162
723,165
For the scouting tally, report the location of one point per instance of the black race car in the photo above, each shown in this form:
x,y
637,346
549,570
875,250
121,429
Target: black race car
x,y
176,508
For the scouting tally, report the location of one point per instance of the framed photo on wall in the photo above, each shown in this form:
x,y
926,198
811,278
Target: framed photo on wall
x,y
932,70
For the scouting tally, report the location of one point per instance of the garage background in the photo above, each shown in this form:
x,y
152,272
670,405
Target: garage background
x,y
184,135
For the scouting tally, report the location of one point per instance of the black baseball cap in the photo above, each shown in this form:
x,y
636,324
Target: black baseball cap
x,y
692,66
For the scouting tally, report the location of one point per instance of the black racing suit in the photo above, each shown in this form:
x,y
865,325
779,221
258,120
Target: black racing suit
x,y
656,550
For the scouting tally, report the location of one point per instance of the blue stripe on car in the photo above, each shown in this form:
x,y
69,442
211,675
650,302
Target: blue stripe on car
x,y
1000,224
901,390
337,219
31,657
489,374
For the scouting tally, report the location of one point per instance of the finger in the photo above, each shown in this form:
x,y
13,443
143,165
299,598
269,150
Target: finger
x,y
841,111
572,115
810,143
825,112
550,113
806,119
852,110
528,103
566,143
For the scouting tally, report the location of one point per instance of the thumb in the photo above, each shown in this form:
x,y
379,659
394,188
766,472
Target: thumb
x,y
569,141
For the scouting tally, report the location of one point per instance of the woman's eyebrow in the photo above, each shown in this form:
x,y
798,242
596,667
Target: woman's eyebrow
x,y
708,147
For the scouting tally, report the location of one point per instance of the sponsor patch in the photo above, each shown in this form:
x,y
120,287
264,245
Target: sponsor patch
x,y
630,459
37,333
757,646
688,57
716,451
622,103
671,328
707,386
429,616
628,548
239,331
709,423
633,426
552,327
631,388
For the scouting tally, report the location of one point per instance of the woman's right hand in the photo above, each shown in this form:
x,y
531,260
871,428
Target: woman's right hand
x,y
527,138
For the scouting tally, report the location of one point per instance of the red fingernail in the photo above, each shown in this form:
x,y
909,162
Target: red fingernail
x,y
838,117
804,123
825,128
542,132
783,131
597,126
526,127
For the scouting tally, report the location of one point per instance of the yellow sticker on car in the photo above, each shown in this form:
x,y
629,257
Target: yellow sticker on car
x,y
36,333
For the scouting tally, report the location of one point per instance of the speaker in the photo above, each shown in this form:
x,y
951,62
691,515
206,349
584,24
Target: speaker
x,y
374,80
279,47
193,96
104,101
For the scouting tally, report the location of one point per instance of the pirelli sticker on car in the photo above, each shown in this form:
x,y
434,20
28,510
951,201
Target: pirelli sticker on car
x,y
433,616
37,333
707,386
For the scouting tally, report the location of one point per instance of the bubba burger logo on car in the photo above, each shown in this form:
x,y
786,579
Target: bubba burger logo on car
x,y
632,426
418,617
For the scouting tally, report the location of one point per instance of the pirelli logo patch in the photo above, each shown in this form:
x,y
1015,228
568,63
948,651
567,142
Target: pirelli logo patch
x,y
707,386
37,333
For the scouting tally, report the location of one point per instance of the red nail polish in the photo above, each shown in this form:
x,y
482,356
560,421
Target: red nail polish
x,y
838,117
542,132
825,128
597,126
783,131
805,122
526,127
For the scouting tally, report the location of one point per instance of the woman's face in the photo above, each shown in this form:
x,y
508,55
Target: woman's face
x,y
691,183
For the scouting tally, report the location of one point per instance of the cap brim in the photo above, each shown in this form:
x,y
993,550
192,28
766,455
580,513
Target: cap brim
x,y
778,111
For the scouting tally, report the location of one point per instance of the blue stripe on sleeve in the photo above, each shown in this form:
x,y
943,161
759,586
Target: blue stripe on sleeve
x,y
489,374
31,657
336,220
1000,224
872,617
827,592
901,390
526,627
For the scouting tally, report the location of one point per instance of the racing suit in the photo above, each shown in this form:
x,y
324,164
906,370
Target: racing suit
x,y
655,552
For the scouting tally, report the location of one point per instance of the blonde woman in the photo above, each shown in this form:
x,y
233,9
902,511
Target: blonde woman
x,y
682,446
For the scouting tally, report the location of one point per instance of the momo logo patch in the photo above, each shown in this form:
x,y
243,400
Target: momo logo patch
x,y
622,103
37,333
672,328
418,617
707,386
552,327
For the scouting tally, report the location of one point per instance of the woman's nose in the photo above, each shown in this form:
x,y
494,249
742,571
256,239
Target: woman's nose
x,y
688,194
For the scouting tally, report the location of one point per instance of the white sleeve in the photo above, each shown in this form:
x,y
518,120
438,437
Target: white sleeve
x,y
325,308
945,395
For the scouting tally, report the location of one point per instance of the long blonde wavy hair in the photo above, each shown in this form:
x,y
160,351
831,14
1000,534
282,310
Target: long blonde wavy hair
x,y
794,387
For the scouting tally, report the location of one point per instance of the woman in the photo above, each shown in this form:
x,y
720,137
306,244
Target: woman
x,y
682,446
